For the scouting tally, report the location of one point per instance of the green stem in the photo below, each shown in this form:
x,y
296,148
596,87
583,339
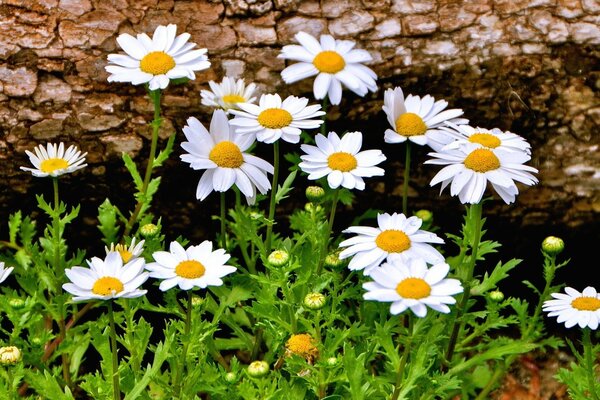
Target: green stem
x,y
406,178
498,373
272,201
588,352
323,253
155,97
186,343
545,293
324,124
403,360
223,237
115,356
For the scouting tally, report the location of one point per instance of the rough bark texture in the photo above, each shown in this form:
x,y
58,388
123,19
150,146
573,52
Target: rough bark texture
x,y
528,66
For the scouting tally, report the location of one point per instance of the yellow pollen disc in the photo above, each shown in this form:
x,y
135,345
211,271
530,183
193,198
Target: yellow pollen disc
x,y
157,63
226,154
125,254
233,98
485,139
107,285
302,344
482,160
410,124
413,288
190,269
586,303
274,118
52,164
329,62
342,161
393,241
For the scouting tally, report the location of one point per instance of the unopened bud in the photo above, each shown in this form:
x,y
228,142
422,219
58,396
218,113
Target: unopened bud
x,y
149,231
16,303
553,245
425,215
333,260
310,207
315,194
314,301
230,377
9,355
278,258
258,369
197,301
497,295
332,361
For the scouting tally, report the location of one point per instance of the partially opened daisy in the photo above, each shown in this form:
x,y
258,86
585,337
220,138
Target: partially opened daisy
x,y
412,285
395,238
221,152
273,118
4,272
575,308
197,266
335,62
228,93
492,139
53,160
470,167
341,160
158,60
418,119
107,279
127,252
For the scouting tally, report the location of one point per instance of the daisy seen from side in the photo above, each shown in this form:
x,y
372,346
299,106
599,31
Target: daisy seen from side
x,y
334,62
490,138
53,160
158,60
4,272
412,285
228,94
128,253
575,308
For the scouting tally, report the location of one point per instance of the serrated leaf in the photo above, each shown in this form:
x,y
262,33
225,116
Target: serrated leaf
x,y
133,171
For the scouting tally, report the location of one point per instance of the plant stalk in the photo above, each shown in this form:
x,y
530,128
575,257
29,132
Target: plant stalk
x,y
588,352
403,360
272,204
186,334
406,178
222,217
323,253
115,355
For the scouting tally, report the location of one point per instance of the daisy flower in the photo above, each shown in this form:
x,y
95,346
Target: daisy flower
x,y
418,119
492,139
54,161
341,160
156,61
272,118
4,272
127,252
395,238
221,154
196,266
470,167
334,62
574,308
413,285
107,279
228,93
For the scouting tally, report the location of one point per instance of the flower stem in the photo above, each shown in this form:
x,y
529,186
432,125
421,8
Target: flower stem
x,y
406,178
588,354
323,254
324,124
403,360
223,237
115,355
186,343
272,201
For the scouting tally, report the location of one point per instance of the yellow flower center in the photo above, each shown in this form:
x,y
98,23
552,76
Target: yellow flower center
x,y
586,303
482,160
329,62
157,63
410,124
413,288
226,154
233,98
190,269
485,139
107,285
52,164
274,118
124,252
393,241
342,161
302,344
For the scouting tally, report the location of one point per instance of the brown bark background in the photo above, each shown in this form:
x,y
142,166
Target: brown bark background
x,y
526,66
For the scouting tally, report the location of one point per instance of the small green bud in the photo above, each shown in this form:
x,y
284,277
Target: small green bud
x,y
278,258
496,295
9,355
425,215
197,301
553,245
16,303
332,361
231,377
36,341
256,215
314,301
258,369
315,194
310,207
332,260
149,231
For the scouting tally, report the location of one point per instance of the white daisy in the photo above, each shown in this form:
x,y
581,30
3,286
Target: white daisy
x,y
418,119
4,272
127,253
395,238
228,93
156,61
341,160
492,139
335,62
272,118
222,154
53,160
470,167
107,279
413,285
196,266
574,308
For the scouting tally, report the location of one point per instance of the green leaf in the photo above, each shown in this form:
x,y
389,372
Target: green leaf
x,y
107,218
283,190
164,154
132,168
14,223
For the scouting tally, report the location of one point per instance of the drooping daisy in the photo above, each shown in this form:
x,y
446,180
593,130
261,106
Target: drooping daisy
x,y
470,167
272,118
395,238
228,93
4,272
341,160
335,62
53,160
418,119
221,154
492,139
413,285
127,252
197,266
107,279
158,60
574,308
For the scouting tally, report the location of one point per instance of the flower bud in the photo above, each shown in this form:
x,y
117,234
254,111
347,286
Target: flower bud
x,y
230,377
332,361
315,194
9,355
278,258
258,369
149,231
310,207
553,245
16,303
332,260
425,215
496,295
314,301
197,301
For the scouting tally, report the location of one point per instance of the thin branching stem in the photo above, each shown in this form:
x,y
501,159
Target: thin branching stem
x,y
272,203
222,218
186,343
323,254
406,179
324,124
403,360
115,355
588,355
